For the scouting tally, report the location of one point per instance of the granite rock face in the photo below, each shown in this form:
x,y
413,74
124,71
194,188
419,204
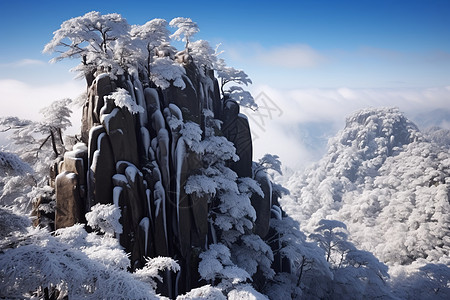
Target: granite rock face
x,y
139,163
71,188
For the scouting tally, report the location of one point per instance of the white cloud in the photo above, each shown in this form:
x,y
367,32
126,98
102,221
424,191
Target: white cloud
x,y
26,62
29,62
25,101
433,57
303,119
290,56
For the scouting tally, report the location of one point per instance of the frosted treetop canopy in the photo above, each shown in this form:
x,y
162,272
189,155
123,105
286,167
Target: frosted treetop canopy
x,y
109,43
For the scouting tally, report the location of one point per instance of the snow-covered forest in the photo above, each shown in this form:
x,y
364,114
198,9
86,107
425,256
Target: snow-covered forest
x,y
158,195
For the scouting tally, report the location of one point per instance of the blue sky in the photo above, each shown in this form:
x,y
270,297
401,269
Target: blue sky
x,y
319,60
349,43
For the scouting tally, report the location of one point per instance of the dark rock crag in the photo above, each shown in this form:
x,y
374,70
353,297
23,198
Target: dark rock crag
x,y
139,163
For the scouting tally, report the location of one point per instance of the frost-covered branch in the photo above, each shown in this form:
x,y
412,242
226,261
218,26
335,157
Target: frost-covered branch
x,y
105,217
11,164
230,74
122,99
241,96
186,29
150,36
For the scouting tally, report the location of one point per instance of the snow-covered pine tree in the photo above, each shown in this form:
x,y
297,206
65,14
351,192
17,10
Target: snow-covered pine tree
x,y
357,274
38,146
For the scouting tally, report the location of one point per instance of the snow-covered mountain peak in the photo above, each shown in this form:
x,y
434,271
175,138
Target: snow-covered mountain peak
x,y
369,137
388,182
376,131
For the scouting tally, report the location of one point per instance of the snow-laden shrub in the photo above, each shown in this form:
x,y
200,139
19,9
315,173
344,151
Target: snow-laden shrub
x,y
216,264
105,217
78,264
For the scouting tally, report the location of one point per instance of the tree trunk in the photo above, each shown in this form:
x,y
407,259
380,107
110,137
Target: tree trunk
x,y
55,150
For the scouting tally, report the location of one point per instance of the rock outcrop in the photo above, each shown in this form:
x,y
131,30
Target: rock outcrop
x,y
140,163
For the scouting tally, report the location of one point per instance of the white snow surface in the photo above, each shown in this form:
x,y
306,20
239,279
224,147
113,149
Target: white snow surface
x,y
246,292
206,292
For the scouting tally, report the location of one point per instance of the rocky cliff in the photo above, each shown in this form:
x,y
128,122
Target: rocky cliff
x,y
140,162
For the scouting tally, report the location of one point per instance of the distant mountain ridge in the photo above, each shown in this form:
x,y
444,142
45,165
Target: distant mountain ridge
x,y
387,181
